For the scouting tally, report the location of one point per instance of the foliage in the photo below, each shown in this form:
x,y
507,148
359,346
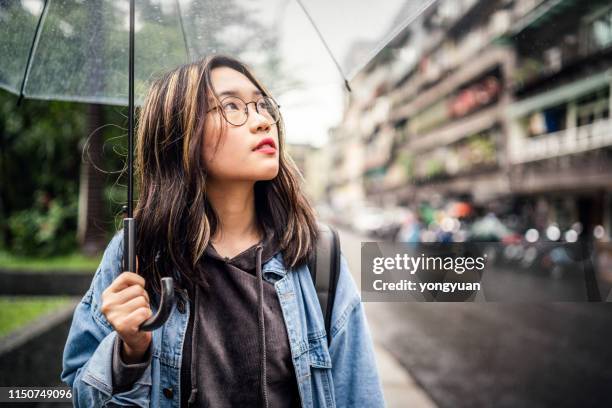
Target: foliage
x,y
406,160
39,167
434,166
16,312
83,48
73,262
45,229
40,157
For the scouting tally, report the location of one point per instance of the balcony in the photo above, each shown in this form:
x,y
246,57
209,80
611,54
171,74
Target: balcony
x,y
408,102
457,130
569,141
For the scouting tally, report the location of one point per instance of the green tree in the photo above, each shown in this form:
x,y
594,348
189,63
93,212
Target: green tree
x,y
83,49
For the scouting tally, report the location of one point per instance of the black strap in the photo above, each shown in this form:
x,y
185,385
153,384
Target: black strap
x,y
325,269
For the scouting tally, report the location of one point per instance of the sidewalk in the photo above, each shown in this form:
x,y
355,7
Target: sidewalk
x,y
399,388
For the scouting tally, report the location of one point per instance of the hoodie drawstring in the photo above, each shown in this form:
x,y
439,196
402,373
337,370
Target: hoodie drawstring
x,y
194,344
262,327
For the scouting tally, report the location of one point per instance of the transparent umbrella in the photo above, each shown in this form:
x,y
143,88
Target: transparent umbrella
x,y
82,50
77,50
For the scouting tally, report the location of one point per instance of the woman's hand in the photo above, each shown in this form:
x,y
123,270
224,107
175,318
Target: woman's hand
x,y
125,304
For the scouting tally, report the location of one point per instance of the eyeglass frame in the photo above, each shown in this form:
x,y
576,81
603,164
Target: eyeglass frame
x,y
246,108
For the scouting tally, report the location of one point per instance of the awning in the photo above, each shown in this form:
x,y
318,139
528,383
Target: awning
x,y
561,94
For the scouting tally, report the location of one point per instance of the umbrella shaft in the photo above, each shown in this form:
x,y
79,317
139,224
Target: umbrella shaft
x,y
131,114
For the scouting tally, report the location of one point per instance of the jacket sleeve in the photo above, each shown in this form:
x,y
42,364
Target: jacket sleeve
x,y
354,371
87,359
124,374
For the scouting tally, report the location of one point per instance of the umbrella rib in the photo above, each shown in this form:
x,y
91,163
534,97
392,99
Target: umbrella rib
x,y
33,48
388,38
180,17
329,51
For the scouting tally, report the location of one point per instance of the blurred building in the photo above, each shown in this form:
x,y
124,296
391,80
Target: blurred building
x,y
497,101
346,180
313,164
560,135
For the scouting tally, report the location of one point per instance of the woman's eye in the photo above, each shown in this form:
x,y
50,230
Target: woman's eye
x,y
230,107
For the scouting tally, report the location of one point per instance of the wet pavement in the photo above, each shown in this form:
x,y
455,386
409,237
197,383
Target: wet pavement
x,y
542,354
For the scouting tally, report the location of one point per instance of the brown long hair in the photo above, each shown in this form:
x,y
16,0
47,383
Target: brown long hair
x,y
175,220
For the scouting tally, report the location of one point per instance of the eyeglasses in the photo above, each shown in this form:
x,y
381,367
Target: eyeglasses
x,y
236,111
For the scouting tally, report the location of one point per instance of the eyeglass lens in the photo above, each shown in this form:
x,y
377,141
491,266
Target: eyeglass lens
x,y
235,110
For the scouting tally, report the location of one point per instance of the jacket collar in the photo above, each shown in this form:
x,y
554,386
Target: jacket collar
x,y
274,266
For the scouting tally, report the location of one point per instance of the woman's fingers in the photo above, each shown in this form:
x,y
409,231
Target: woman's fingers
x,y
133,304
135,318
126,279
115,311
125,304
130,293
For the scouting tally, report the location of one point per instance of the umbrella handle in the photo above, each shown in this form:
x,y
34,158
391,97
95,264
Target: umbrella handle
x,y
167,284
166,304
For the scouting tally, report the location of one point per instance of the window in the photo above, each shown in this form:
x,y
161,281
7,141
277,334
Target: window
x,y
549,120
593,107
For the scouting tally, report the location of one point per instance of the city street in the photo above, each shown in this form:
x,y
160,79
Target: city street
x,y
497,354
474,135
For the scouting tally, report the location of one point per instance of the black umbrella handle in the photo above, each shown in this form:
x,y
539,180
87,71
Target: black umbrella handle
x,y
167,284
166,304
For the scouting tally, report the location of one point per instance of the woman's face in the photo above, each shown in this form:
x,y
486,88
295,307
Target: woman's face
x,y
237,156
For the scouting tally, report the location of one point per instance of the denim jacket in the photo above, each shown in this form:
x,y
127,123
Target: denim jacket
x,y
341,375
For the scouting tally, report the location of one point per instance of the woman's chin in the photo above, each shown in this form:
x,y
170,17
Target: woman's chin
x,y
265,172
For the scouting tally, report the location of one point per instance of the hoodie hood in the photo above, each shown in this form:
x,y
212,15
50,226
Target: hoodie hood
x,y
247,259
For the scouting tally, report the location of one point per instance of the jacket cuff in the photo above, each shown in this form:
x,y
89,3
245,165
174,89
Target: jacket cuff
x,y
125,375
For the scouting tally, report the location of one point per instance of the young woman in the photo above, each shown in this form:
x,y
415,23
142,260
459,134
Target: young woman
x,y
220,209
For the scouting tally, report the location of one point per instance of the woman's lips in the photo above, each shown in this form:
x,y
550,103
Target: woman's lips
x,y
266,146
266,149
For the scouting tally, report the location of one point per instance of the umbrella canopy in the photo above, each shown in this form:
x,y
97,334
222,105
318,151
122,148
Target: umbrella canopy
x,y
77,50
107,52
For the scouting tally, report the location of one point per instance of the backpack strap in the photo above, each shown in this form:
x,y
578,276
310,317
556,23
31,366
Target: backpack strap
x,y
324,269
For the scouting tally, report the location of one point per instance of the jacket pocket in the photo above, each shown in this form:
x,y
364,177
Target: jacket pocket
x,y
321,373
318,353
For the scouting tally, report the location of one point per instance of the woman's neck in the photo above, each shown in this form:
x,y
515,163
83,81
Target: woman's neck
x,y
234,203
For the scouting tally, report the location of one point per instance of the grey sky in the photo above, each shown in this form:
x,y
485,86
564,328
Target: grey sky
x,y
310,112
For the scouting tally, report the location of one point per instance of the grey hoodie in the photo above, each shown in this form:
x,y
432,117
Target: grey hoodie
x,y
236,351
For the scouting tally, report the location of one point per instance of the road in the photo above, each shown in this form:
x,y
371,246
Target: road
x,y
497,354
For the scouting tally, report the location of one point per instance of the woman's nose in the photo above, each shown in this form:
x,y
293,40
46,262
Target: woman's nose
x,y
257,121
